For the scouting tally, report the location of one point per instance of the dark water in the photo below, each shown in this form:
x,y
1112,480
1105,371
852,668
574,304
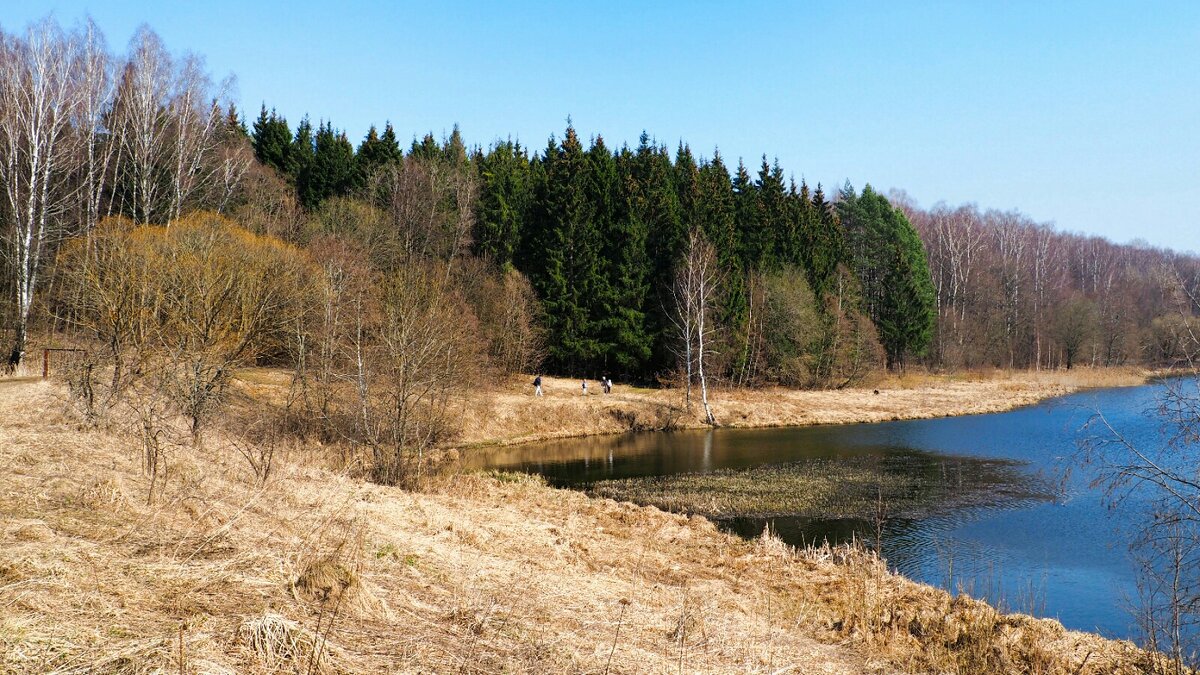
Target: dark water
x,y
1065,557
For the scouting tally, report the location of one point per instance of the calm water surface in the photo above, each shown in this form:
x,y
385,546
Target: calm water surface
x,y
1065,557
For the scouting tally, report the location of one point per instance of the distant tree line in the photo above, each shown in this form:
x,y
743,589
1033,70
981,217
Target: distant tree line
x,y
1018,294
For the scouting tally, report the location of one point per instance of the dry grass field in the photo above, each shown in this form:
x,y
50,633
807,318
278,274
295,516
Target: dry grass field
x,y
512,414
318,572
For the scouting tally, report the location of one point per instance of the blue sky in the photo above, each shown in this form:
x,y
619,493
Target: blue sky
x,y
1086,114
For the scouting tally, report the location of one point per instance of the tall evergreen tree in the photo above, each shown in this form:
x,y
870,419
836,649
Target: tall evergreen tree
x,y
620,220
375,152
390,146
504,199
655,206
764,236
426,149
823,241
889,259
454,150
235,123
300,153
747,218
332,171
272,140
563,256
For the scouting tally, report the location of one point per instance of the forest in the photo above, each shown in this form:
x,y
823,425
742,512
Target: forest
x,y
147,220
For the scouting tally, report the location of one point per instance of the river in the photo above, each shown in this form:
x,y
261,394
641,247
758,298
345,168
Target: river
x,y
1032,536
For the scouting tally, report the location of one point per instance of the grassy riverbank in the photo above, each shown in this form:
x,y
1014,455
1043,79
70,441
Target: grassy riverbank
x,y
511,414
315,571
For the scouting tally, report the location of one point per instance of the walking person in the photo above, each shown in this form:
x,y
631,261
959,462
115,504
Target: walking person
x,y
537,386
585,387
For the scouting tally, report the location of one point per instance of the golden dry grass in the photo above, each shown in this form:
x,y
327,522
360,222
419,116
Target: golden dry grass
x,y
511,414
316,572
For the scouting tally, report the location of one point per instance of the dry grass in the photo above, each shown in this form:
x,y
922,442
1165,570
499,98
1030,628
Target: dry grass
x,y
315,572
512,415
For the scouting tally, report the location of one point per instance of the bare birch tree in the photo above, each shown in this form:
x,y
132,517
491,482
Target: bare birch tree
x,y
141,124
168,124
39,95
97,87
694,291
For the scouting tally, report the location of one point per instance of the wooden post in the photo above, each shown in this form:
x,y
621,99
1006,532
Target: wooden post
x,y
45,363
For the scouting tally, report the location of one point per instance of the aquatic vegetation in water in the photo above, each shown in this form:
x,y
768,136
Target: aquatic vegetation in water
x,y
910,485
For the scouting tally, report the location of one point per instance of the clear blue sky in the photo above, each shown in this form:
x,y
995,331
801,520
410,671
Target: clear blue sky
x,y
1082,113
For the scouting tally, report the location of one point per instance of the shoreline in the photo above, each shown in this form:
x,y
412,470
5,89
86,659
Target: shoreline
x,y
511,415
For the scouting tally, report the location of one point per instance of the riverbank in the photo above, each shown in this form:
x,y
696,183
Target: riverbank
x,y
512,414
316,571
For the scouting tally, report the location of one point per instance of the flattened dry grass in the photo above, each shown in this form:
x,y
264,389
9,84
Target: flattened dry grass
x,y
475,574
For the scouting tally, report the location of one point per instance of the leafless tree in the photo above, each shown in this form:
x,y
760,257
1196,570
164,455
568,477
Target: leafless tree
x,y
694,291
39,97
430,203
168,125
97,88
1160,471
141,123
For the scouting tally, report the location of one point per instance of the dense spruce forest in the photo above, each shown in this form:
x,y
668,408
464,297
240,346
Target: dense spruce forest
x,y
572,258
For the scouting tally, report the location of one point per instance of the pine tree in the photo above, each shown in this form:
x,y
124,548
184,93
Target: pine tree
x,y
746,218
426,149
234,122
819,242
372,154
621,209
454,151
390,147
764,236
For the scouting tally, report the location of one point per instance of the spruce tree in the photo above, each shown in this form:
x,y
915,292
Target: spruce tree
x,y
372,154
746,218
621,222
889,259
824,241
504,197
563,256
271,140
332,170
765,237
454,151
656,206
300,153
426,149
